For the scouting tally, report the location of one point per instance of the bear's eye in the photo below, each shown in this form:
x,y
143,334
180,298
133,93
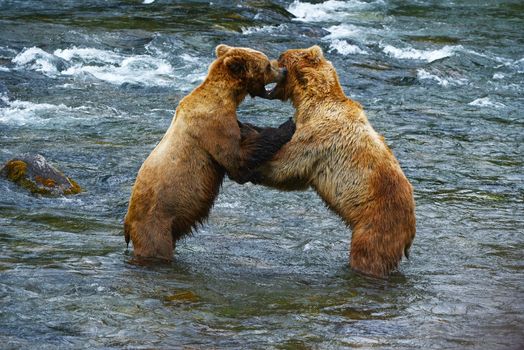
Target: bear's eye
x,y
268,68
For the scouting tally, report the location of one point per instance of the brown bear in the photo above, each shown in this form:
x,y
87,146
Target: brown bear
x,y
178,182
336,151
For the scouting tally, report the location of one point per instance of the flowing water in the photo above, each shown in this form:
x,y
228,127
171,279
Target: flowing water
x,y
92,85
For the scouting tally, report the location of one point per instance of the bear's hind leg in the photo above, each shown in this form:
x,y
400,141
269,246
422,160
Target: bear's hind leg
x,y
373,256
385,226
378,246
153,240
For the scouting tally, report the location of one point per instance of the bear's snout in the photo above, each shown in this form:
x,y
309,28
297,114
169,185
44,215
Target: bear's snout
x,y
281,75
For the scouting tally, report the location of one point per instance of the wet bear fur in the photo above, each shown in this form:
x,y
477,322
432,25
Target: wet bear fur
x,y
177,184
336,151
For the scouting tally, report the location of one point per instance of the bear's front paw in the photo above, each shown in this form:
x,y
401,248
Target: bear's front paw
x,y
246,130
256,178
287,129
248,127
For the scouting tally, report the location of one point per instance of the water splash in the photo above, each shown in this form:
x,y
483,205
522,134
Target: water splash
x,y
104,65
331,10
345,48
425,55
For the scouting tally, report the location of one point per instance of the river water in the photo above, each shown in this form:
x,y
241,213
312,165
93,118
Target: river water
x,y
92,85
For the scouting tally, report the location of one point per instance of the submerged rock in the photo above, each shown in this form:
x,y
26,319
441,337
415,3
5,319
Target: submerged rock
x,y
35,174
182,297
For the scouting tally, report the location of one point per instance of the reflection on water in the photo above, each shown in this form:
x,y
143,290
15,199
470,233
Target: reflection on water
x,y
93,88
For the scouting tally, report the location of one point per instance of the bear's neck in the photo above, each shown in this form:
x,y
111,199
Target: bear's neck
x,y
222,91
311,99
315,103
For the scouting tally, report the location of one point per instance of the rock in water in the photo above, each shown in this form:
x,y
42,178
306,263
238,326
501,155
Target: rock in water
x,y
35,174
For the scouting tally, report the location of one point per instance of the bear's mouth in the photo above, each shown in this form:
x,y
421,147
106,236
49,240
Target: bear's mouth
x,y
273,89
270,88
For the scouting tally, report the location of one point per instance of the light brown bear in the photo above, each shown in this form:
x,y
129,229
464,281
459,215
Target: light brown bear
x,y
178,182
336,151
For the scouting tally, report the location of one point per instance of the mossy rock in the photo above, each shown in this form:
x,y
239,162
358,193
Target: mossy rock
x,y
35,174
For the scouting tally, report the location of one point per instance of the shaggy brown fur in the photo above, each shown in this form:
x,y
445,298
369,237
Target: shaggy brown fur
x,y
336,151
177,184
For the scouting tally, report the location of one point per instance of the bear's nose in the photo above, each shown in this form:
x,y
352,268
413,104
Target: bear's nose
x,y
282,72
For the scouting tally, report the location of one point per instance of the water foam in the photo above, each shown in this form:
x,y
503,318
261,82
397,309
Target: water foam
x,y
264,29
518,65
486,102
7,52
343,31
188,58
38,60
23,112
91,55
108,66
490,56
423,74
331,10
345,48
141,70
424,55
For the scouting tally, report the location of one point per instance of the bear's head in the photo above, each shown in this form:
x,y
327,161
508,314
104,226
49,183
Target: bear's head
x,y
249,70
309,75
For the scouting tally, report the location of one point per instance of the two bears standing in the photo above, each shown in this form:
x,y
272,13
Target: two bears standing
x,y
333,149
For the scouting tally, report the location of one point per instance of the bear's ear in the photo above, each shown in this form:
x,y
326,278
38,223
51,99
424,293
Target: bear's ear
x,y
221,50
315,54
236,65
